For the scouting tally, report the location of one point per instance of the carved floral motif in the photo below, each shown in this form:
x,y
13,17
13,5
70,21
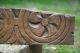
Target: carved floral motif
x,y
20,26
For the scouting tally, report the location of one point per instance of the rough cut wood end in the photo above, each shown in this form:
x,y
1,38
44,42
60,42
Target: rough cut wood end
x,y
21,26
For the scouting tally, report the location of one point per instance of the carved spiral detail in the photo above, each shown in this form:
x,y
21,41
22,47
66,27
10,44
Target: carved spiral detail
x,y
20,26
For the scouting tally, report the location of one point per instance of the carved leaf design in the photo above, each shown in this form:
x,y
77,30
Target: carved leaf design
x,y
38,31
55,20
34,18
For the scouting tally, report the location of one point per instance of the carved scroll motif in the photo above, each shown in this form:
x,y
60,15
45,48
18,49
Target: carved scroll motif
x,y
20,26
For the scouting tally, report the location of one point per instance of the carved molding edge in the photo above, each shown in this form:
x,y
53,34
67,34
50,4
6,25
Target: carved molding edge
x,y
21,26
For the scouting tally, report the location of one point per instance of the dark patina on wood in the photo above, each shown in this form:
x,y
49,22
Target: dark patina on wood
x,y
21,26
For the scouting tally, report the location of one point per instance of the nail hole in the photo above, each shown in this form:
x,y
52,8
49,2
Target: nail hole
x,y
72,32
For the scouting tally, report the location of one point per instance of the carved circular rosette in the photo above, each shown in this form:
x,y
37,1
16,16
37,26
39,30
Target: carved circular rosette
x,y
20,26
47,28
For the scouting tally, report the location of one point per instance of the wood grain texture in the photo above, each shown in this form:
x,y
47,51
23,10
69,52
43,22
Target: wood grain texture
x,y
21,26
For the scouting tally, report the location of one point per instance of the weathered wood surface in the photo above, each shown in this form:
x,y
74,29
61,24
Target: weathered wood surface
x,y
20,26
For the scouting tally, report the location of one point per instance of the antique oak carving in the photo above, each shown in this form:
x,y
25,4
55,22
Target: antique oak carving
x,y
20,26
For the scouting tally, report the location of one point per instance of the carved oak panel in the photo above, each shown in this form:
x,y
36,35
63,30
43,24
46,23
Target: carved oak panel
x,y
20,26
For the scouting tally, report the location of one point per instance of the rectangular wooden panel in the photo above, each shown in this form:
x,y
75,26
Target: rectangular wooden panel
x,y
21,26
